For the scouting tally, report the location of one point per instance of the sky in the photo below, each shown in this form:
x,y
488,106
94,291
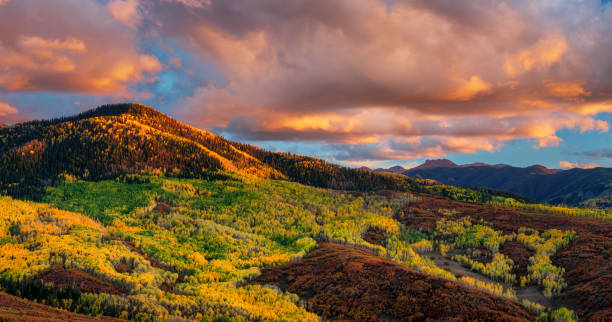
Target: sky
x,y
372,83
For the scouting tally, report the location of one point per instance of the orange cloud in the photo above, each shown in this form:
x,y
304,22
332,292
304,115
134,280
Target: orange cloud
x,y
35,58
593,108
44,47
6,109
545,52
37,55
569,90
572,165
125,11
415,134
126,71
380,79
242,57
468,89
92,53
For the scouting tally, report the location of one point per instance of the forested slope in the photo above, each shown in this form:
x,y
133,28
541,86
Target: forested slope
x,y
132,138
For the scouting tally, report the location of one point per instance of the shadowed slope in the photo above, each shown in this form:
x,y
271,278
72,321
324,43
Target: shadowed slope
x,y
346,283
13,308
589,187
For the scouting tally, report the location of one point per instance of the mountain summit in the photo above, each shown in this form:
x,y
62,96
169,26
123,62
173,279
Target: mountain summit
x,y
438,163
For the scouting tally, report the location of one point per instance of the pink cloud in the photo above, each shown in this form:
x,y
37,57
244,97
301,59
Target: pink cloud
x,y
6,109
468,80
376,79
90,53
125,11
572,165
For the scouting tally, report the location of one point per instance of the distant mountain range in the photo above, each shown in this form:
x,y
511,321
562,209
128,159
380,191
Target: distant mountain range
x,y
583,187
395,169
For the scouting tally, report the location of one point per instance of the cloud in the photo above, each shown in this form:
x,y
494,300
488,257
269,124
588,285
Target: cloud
x,y
460,78
320,62
370,79
374,128
71,46
544,53
572,165
597,154
570,90
192,3
125,11
6,109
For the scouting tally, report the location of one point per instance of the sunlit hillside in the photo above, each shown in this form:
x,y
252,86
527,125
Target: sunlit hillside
x,y
162,247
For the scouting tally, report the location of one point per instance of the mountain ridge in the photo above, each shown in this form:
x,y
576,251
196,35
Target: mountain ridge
x,y
572,187
131,138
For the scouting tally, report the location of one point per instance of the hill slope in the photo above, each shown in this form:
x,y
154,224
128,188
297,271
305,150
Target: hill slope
x,y
130,138
352,284
571,187
114,139
13,308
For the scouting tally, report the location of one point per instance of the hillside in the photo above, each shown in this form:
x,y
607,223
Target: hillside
x,y
130,138
141,217
13,308
570,187
173,248
346,283
114,139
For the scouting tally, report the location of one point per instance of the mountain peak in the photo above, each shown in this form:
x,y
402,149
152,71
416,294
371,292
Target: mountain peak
x,y
394,169
541,169
135,109
436,163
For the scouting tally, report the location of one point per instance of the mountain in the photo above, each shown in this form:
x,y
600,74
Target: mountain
x,y
132,138
433,164
140,217
572,187
395,169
